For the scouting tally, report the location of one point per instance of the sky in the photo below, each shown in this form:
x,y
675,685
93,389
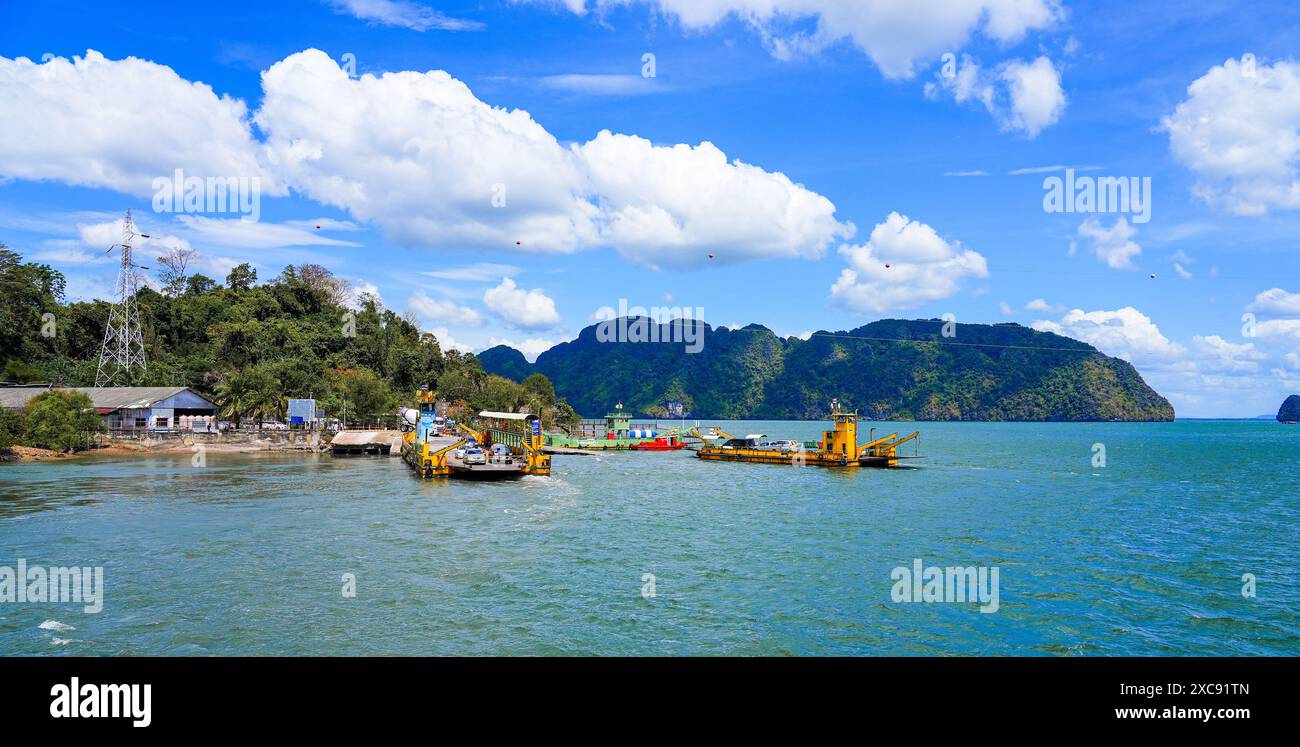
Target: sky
x,y
1123,173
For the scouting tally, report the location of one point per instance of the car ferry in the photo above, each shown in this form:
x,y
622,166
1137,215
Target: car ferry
x,y
474,455
838,447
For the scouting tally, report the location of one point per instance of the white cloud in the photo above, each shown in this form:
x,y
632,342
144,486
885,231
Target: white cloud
x,y
1276,301
1005,309
604,84
447,342
402,13
658,205
905,263
120,124
1182,271
1043,307
1286,330
1126,333
1114,245
527,309
672,206
1037,100
415,153
1219,355
235,232
479,272
434,310
1023,97
1239,132
895,34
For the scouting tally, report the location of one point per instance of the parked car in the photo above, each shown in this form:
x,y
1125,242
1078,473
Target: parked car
x,y
475,456
274,425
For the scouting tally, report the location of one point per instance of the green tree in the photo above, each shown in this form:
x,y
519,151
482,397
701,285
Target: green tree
x,y
242,277
61,420
197,284
252,393
11,427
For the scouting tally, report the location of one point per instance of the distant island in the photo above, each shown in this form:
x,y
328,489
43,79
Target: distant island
x,y
891,369
1289,412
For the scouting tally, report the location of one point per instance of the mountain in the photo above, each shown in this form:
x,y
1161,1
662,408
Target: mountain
x,y
504,360
1289,412
889,369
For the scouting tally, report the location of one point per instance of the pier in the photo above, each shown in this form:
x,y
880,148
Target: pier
x,y
366,442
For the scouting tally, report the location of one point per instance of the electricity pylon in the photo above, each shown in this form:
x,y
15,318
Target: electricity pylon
x,y
123,347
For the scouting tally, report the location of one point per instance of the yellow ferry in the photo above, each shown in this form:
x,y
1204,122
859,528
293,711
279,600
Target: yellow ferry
x,y
838,447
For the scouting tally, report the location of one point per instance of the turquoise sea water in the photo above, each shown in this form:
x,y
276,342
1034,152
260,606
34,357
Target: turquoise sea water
x,y
1144,556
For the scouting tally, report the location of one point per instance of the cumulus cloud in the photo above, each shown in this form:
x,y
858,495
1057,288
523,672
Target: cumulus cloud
x,y
1024,97
527,309
94,122
1114,245
905,263
414,152
402,13
435,310
1217,354
501,180
1126,333
1239,132
447,342
1276,301
671,205
895,34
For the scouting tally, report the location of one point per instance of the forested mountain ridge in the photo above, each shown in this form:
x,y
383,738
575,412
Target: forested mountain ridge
x,y
889,369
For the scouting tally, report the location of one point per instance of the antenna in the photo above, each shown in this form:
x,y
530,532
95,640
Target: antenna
x,y
123,347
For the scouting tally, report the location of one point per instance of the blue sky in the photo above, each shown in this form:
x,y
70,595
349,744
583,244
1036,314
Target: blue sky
x,y
879,162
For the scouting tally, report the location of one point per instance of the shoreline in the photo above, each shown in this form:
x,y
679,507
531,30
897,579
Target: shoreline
x,y
19,454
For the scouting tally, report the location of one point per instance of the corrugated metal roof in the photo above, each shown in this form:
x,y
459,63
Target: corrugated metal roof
x,y
505,415
103,397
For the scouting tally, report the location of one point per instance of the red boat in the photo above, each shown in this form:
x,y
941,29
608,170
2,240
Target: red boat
x,y
669,443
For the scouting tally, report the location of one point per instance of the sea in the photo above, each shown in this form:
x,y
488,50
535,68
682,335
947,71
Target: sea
x,y
1105,539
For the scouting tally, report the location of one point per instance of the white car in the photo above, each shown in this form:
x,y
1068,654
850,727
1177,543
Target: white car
x,y
474,456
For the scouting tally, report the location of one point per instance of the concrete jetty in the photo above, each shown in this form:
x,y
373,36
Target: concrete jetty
x,y
366,442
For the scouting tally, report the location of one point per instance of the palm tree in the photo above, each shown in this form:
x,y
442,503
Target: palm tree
x,y
251,393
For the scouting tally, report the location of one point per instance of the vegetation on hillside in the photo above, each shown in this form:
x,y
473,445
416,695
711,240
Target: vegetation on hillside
x,y
1289,412
890,369
251,346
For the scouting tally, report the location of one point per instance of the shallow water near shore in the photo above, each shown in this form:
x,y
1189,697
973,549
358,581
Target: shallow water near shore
x,y
246,555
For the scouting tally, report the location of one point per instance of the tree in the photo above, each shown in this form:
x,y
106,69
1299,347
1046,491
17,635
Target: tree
x,y
174,263
317,277
252,393
364,392
242,277
61,420
11,427
197,285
